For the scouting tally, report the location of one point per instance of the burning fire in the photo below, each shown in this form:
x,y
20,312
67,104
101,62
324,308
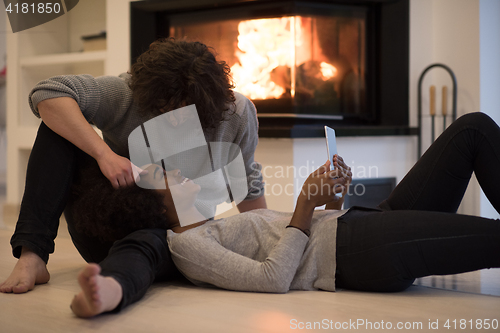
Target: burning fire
x,y
328,71
263,46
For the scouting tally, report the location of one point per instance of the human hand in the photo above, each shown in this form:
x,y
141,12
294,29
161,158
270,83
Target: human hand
x,y
322,185
119,170
343,170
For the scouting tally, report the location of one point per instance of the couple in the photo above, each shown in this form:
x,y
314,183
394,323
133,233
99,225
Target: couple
x,y
170,74
414,233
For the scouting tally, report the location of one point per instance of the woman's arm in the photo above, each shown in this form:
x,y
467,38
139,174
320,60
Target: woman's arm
x,y
319,189
247,138
204,259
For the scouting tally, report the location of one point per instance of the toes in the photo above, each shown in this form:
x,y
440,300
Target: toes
x,y
88,274
80,307
88,280
21,287
91,270
16,288
6,289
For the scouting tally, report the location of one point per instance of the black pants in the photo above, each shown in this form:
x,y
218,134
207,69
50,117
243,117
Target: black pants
x,y
135,261
416,232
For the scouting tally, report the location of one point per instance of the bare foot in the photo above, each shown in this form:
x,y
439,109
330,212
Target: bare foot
x,y
99,293
30,269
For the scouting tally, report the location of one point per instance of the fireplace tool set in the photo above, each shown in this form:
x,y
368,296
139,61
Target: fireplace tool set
x,y
432,106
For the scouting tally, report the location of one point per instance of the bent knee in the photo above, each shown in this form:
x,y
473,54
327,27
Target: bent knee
x,y
477,119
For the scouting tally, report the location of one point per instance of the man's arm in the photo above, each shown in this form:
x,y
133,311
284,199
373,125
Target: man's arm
x,y
64,117
247,205
247,138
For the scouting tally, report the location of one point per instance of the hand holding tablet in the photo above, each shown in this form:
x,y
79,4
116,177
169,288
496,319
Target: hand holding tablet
x,y
331,144
331,148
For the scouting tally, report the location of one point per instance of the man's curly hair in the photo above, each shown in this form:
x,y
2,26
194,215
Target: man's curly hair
x,y
101,211
173,73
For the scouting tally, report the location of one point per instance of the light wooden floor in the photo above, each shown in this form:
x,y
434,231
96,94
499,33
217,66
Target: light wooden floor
x,y
178,307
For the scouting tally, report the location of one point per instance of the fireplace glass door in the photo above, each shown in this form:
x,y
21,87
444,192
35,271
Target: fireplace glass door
x,y
307,64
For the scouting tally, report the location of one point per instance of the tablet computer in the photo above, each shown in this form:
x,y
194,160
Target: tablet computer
x,y
331,144
331,148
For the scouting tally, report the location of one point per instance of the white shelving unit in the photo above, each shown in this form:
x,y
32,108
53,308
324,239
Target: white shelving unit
x,y
62,59
51,49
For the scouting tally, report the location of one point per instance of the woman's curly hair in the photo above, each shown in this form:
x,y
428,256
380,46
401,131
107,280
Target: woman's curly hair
x,y
110,214
173,73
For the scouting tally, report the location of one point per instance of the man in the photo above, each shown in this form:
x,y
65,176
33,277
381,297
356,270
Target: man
x,y
169,75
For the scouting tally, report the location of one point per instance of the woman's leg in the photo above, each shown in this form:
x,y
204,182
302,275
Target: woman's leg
x,y
439,179
135,262
386,251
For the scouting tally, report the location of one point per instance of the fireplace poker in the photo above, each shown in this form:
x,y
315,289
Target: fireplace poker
x,y
432,109
444,105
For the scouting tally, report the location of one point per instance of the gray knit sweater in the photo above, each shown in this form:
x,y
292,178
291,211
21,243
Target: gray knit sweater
x,y
107,103
254,251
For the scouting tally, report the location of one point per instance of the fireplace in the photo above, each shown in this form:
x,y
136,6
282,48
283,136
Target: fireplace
x,y
302,63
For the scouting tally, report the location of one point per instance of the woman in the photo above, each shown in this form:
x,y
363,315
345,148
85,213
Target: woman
x,y
415,232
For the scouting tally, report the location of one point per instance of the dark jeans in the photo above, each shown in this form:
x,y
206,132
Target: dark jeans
x,y
135,261
417,232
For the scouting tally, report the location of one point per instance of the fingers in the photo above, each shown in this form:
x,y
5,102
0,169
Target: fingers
x,y
338,161
339,164
115,183
122,179
322,169
117,169
128,178
335,185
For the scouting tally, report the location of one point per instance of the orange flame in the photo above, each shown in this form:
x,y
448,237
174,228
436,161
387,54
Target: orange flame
x,y
328,71
264,45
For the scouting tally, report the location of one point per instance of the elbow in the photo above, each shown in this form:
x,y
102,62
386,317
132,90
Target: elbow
x,y
282,289
46,108
43,108
278,284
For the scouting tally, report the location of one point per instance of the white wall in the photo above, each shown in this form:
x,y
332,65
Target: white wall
x,y
288,162
118,36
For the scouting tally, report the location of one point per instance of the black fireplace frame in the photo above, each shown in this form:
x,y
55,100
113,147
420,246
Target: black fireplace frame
x,y
388,69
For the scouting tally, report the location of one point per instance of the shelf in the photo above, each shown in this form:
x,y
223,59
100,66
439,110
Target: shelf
x,y
62,58
48,50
